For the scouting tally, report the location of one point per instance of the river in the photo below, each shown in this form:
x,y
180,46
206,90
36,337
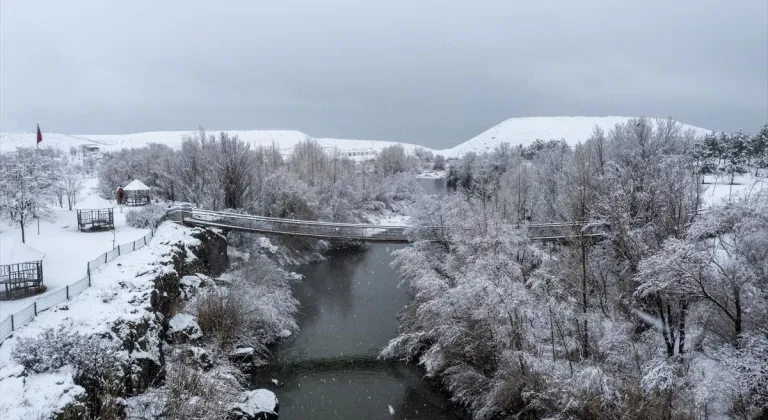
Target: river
x,y
330,369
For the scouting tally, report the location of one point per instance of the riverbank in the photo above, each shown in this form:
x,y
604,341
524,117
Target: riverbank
x,y
159,335
349,305
330,368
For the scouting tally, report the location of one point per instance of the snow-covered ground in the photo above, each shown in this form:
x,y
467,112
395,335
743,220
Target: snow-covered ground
x,y
120,291
718,189
67,251
390,220
515,131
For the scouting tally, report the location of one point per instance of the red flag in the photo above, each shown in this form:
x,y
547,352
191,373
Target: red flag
x,y
39,134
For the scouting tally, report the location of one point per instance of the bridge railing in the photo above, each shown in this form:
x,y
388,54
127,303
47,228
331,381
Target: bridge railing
x,y
350,231
365,232
552,231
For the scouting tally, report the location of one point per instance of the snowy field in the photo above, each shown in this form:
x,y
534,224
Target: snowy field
x,y
67,251
120,290
719,190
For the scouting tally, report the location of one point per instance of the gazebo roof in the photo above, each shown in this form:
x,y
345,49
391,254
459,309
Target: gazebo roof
x,y
13,251
136,185
94,202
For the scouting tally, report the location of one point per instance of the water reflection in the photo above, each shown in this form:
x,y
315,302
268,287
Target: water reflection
x,y
330,370
356,389
349,305
433,186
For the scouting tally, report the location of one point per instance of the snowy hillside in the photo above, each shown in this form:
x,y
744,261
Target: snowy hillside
x,y
285,139
515,131
524,131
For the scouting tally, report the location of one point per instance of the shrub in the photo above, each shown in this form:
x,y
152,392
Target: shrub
x,y
439,164
97,365
145,217
91,356
256,311
221,316
191,393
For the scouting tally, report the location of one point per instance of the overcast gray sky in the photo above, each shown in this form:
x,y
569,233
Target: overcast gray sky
x,y
429,72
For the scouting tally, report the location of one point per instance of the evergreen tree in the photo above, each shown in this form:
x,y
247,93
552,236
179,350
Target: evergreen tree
x,y
758,149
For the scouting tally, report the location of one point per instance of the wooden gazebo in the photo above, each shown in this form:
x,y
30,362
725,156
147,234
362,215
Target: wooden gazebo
x,y
21,269
95,213
135,194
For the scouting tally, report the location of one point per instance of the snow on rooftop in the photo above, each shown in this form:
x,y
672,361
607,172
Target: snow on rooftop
x,y
94,202
13,251
136,185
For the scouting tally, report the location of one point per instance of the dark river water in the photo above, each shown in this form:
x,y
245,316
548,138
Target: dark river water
x,y
330,369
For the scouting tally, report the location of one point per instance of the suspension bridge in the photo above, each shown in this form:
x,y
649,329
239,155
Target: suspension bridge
x,y
542,232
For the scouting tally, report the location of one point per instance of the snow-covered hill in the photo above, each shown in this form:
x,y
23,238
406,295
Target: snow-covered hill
x,y
285,139
524,131
514,131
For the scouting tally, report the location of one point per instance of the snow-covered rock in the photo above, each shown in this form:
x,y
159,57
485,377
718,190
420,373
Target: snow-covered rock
x,y
191,285
265,243
183,328
196,356
244,357
191,281
258,404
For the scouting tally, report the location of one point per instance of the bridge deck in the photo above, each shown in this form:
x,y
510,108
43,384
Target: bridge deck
x,y
362,232
303,228
324,234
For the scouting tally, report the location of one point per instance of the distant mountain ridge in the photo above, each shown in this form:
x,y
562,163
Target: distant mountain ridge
x,y
516,131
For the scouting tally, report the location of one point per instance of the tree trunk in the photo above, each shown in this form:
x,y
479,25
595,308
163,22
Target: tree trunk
x,y
552,332
669,341
23,238
737,317
683,316
585,344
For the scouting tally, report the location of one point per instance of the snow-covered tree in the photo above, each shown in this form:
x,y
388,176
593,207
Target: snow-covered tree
x,y
27,186
758,149
71,182
391,160
439,163
662,317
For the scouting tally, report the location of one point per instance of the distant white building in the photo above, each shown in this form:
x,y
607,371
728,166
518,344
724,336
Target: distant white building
x,y
359,153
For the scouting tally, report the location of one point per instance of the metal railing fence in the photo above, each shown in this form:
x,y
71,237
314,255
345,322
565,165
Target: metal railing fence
x,y
23,317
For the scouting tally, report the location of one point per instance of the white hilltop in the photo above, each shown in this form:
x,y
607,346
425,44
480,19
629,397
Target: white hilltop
x,y
516,131
524,131
284,139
